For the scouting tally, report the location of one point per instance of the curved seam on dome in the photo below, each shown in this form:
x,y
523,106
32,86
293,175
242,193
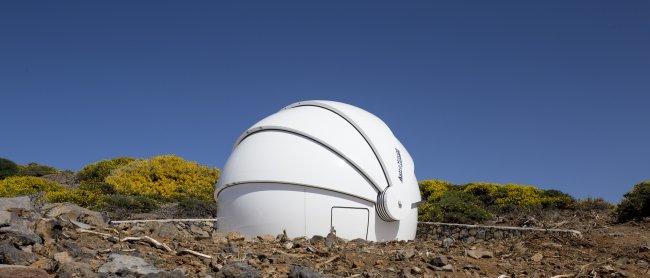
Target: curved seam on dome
x,y
316,140
232,184
353,124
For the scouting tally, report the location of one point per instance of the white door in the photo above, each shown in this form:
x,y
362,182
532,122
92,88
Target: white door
x,y
350,223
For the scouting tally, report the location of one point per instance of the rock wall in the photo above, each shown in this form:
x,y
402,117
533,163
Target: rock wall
x,y
426,230
471,233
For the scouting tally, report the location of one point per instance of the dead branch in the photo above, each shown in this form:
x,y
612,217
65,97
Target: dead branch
x,y
188,251
331,259
151,241
104,235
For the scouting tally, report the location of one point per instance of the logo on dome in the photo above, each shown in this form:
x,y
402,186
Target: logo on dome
x,y
399,165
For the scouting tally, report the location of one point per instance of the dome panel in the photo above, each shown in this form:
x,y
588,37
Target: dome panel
x,y
284,157
328,127
378,135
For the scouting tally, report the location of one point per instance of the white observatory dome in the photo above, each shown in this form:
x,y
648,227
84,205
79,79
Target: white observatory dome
x,y
317,165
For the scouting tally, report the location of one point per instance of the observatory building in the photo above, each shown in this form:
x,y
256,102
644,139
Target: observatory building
x,y
318,165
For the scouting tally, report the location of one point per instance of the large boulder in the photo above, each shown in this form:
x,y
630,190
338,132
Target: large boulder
x,y
17,217
9,254
124,264
17,271
72,212
238,269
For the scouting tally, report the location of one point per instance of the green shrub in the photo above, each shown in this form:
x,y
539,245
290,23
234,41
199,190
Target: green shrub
x,y
461,207
431,191
119,202
486,192
36,170
98,171
635,204
100,187
593,204
557,199
7,168
167,177
21,185
455,206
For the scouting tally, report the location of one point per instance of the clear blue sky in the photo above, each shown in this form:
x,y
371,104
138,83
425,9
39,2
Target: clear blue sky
x,y
551,93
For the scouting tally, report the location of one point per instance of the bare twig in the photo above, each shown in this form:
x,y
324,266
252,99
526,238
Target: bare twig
x,y
104,235
287,254
188,251
331,259
152,241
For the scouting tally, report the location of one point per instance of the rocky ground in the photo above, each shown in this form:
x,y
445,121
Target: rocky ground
x,y
64,240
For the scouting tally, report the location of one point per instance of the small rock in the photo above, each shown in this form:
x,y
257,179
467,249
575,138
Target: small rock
x,y
317,239
62,257
404,273
447,242
331,239
127,264
447,268
76,270
235,236
480,234
439,261
47,229
298,271
230,248
199,232
358,263
537,257
608,268
478,254
167,230
288,245
266,238
416,270
402,255
219,238
215,265
471,267
16,271
238,269
44,263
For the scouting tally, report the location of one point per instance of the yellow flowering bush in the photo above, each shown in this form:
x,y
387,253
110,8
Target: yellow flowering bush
x,y
486,192
431,192
167,177
84,198
24,185
433,189
98,171
525,196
